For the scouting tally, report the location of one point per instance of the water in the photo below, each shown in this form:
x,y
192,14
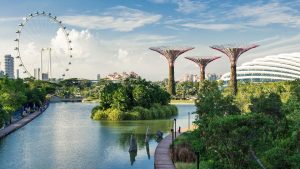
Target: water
x,y
64,137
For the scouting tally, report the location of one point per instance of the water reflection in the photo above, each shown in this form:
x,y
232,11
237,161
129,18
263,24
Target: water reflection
x,y
147,149
65,137
132,155
138,128
142,132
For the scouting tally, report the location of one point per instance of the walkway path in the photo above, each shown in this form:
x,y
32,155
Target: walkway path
x,y
162,159
13,127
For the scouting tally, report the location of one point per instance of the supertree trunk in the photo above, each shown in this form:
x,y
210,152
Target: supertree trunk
x,y
171,81
202,73
233,52
233,78
171,54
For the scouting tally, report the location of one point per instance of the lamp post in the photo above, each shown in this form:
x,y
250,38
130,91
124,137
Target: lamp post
x,y
172,131
198,161
189,116
175,127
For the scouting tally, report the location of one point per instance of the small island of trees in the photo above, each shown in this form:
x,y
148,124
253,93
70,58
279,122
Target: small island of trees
x,y
133,99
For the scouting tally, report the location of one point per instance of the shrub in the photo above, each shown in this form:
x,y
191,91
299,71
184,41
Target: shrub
x,y
100,115
114,114
108,114
132,115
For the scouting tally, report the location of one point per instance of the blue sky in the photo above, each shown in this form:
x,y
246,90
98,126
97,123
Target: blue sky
x,y
114,35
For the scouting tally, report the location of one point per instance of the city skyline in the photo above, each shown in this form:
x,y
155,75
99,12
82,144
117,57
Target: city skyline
x,y
114,36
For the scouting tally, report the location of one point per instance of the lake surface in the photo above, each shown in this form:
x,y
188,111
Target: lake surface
x,y
64,137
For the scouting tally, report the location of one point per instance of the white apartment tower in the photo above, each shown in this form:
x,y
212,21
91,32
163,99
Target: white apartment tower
x,y
9,66
98,77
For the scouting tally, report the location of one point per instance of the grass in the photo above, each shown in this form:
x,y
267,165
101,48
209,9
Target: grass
x,y
182,102
183,138
181,165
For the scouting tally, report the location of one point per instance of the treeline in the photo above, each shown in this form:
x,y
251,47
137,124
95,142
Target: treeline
x,y
133,99
17,93
184,90
260,127
72,88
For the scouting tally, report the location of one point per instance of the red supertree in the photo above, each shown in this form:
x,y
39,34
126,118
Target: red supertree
x,y
233,52
202,62
171,54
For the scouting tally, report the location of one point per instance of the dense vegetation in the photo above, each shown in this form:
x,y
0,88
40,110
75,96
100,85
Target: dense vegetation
x,y
184,90
15,94
72,88
133,99
259,127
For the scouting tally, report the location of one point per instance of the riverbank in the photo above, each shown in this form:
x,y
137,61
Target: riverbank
x,y
22,122
189,102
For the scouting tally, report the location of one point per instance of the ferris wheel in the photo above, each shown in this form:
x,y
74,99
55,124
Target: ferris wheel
x,y
43,47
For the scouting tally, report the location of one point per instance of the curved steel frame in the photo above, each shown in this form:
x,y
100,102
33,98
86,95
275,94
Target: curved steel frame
x,y
53,18
273,67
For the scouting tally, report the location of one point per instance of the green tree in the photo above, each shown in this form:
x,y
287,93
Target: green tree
x,y
212,102
269,104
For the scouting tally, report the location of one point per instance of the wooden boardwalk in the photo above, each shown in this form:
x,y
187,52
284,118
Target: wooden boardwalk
x,y
162,159
13,127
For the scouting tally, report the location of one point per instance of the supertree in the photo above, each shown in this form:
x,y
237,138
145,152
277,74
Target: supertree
x,y
171,54
233,52
202,62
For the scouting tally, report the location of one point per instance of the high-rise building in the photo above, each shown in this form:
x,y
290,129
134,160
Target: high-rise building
x,y
9,66
45,76
1,72
98,77
189,78
35,74
18,73
212,77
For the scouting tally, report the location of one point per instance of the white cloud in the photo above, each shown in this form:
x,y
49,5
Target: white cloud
x,y
189,6
274,45
270,13
118,18
269,39
7,19
207,26
93,54
236,17
159,1
184,6
122,54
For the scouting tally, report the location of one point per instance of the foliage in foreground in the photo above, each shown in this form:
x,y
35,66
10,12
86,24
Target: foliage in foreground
x,y
266,135
133,99
16,93
180,165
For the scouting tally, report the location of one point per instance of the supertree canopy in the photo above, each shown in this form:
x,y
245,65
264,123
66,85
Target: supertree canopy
x,y
233,52
171,54
202,62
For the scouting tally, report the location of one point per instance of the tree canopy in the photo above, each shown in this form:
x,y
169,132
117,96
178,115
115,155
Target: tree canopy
x,y
259,126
